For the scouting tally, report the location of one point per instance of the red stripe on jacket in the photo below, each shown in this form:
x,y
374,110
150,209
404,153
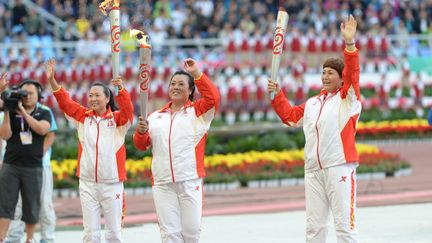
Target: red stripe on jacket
x,y
199,156
348,139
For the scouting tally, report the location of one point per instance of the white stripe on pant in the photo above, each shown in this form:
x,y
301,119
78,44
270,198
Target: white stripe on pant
x,y
179,210
334,189
47,218
97,198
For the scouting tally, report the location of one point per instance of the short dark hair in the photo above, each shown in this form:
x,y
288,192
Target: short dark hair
x,y
35,83
190,81
108,93
335,63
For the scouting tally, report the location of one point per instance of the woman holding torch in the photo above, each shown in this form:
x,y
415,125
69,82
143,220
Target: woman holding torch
x,y
101,153
177,134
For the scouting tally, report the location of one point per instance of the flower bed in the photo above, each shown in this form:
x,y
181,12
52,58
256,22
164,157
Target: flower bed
x,y
397,127
242,167
261,139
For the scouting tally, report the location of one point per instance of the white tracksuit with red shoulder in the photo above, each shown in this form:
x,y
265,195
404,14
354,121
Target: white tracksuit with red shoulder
x,y
178,143
101,163
329,123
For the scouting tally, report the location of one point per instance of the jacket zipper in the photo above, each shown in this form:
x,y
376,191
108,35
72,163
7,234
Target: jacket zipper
x,y
316,128
169,146
97,152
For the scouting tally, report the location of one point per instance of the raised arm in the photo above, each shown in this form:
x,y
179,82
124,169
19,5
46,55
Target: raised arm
x,y
124,101
50,71
351,72
66,104
348,30
210,97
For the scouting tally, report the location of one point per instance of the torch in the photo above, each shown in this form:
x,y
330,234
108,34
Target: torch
x,y
145,68
113,6
278,43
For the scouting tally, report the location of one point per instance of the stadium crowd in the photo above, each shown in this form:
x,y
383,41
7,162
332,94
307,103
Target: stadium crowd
x,y
240,64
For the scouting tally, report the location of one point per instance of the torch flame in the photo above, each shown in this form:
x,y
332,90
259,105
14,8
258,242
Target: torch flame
x,y
108,5
140,36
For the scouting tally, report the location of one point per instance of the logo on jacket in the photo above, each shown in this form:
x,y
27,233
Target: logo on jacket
x,y
110,123
343,179
159,116
197,188
117,196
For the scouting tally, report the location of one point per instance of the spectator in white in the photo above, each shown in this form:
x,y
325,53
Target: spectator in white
x,y
162,21
424,23
84,46
179,17
205,7
406,72
158,36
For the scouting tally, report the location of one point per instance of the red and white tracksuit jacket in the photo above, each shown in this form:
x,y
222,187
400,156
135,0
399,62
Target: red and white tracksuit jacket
x,y
178,138
101,149
329,120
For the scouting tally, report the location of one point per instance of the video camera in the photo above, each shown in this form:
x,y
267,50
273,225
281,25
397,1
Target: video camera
x,y
11,97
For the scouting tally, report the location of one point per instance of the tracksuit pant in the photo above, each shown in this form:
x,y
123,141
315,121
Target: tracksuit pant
x,y
331,189
179,210
108,199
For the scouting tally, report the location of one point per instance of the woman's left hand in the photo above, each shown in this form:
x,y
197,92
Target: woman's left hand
x,y
3,82
348,29
117,82
191,67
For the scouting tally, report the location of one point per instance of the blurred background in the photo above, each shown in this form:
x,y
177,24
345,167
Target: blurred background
x,y
232,40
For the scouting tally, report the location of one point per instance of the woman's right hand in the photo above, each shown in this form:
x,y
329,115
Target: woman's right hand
x,y
50,68
191,66
50,71
273,87
117,82
142,125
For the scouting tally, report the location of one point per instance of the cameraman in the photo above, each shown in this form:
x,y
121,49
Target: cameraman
x,y
24,129
47,217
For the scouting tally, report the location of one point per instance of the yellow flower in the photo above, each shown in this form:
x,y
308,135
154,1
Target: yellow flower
x,y
67,167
